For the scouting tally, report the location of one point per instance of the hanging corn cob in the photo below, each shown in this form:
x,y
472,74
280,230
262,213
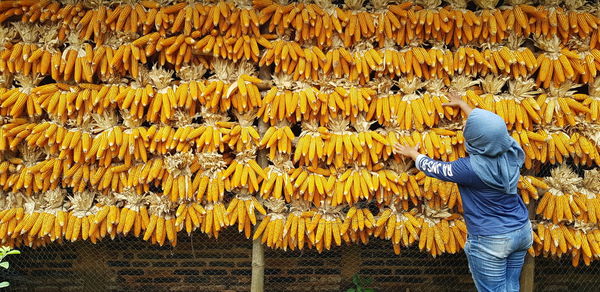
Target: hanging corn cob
x,y
177,182
215,219
19,101
245,171
561,201
557,105
530,188
161,225
358,219
270,229
78,220
242,210
402,228
354,184
243,135
107,217
209,181
325,227
441,231
190,215
590,190
440,194
557,64
278,139
580,240
311,184
278,179
14,206
296,223
131,218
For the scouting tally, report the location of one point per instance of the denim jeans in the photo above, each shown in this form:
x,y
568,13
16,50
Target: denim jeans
x,y
495,261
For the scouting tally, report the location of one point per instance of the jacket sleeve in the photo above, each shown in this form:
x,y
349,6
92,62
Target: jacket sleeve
x,y
458,171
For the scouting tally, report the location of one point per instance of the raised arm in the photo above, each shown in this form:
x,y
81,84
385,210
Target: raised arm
x,y
455,171
456,101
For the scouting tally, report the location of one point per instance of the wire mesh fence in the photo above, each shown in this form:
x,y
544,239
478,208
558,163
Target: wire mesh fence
x,y
199,263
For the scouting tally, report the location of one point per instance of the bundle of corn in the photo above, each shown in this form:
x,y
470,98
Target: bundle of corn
x,y
244,171
393,181
108,215
278,139
585,139
311,184
295,61
590,189
402,228
177,181
13,212
326,227
161,223
189,214
80,217
209,183
440,194
279,181
441,231
215,219
580,240
243,134
557,64
270,230
242,209
297,222
232,85
530,188
133,213
18,101
561,201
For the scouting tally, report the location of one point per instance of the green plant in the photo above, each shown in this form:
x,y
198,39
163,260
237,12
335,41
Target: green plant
x,y
360,284
4,251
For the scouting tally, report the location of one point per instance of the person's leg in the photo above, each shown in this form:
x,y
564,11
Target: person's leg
x,y
487,262
519,244
514,264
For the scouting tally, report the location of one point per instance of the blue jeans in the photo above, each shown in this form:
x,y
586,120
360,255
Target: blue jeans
x,y
495,261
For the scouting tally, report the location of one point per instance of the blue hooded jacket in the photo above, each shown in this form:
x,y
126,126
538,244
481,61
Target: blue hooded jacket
x,y
487,179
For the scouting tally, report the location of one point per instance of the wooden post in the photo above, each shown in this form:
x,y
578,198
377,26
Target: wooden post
x,y
528,271
528,274
258,250
258,267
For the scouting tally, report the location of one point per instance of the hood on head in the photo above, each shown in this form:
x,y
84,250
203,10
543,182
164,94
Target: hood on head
x,y
486,134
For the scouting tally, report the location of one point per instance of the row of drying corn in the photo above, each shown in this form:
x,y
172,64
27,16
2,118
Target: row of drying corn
x,y
83,62
402,23
122,147
207,176
53,215
414,105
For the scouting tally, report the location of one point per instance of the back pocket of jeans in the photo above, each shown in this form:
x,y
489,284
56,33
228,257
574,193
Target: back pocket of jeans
x,y
494,245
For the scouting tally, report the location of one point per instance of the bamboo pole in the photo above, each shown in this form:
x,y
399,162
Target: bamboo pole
x,y
258,250
258,266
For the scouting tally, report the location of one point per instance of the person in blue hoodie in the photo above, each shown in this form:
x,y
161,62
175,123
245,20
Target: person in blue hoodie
x,y
498,227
